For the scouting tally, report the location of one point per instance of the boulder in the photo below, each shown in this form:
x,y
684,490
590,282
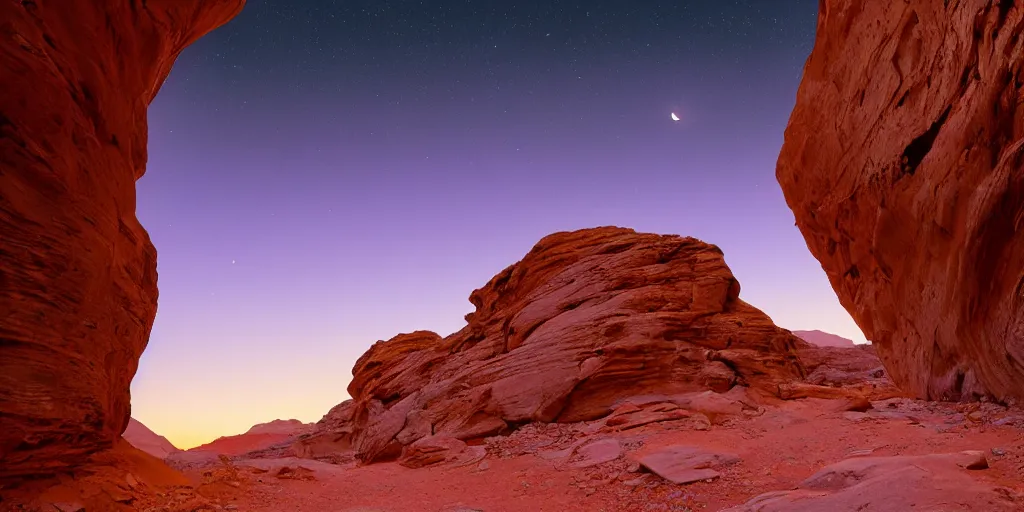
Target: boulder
x,y
902,165
596,452
892,484
585,320
686,464
850,371
77,271
431,450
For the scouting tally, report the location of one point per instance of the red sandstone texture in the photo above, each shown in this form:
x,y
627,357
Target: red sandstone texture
x,y
77,270
902,165
585,320
824,339
120,479
148,441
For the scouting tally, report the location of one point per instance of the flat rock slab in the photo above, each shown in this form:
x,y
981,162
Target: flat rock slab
x,y
892,484
597,452
689,476
318,469
686,464
432,450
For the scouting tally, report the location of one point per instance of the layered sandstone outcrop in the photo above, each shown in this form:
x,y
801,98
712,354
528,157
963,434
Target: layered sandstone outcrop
x,y
77,270
842,371
586,319
902,165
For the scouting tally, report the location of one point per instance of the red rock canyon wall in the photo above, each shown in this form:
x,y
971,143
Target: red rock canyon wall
x,y
902,165
77,270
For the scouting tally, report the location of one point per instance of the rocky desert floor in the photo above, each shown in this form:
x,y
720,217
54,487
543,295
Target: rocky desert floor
x,y
900,454
536,469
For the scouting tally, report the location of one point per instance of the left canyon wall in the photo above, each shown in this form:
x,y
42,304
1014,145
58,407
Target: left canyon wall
x,y
78,283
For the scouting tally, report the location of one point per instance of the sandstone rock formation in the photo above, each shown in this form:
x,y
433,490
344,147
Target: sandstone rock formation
x,y
77,270
586,319
141,437
902,165
824,339
856,368
891,484
686,464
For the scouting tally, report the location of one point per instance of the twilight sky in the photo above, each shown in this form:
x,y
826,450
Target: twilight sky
x,y
324,174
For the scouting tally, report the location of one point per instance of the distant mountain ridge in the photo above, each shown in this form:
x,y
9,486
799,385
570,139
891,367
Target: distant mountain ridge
x,y
259,437
141,437
824,339
290,427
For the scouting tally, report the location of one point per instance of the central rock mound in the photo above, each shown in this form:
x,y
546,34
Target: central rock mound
x,y
586,319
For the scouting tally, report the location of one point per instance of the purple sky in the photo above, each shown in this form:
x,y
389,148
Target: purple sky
x,y
322,177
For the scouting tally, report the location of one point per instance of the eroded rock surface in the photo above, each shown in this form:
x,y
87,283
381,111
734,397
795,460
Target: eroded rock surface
x,y
77,270
585,320
892,484
902,165
855,368
687,464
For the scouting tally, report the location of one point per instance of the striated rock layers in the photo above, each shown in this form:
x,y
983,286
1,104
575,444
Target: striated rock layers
x,y
586,319
77,270
902,165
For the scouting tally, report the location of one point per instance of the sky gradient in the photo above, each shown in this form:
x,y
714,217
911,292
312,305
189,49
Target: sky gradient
x,y
326,174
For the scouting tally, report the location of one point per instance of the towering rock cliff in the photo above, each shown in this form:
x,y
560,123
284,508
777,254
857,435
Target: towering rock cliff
x,y
902,165
586,319
77,271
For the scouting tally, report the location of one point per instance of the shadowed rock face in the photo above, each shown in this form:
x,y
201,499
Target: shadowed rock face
x,y
586,319
77,271
902,165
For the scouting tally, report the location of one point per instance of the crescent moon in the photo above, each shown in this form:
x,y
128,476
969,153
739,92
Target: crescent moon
x,y
675,117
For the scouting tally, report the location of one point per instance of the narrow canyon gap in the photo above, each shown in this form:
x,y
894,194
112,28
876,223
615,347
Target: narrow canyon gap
x,y
902,165
78,277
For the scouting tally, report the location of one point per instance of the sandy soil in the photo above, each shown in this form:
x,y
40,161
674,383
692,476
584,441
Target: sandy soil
x,y
528,470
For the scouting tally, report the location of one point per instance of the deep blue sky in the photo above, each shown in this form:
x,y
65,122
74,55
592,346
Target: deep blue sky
x,y
326,174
